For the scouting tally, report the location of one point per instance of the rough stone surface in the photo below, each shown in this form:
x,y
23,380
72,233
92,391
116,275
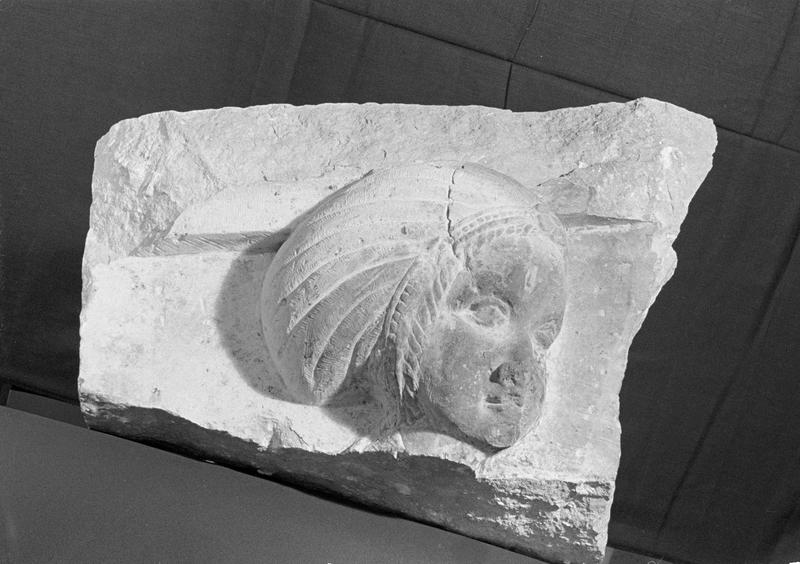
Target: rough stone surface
x,y
189,210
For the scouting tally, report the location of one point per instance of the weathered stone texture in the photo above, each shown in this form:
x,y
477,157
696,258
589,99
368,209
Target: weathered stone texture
x,y
190,208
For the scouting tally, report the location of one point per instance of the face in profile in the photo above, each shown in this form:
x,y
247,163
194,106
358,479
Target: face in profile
x,y
484,367
435,289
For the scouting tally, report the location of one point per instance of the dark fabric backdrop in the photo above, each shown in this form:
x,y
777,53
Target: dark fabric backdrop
x,y
710,406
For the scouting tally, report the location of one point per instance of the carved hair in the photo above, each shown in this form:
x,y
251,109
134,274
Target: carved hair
x,y
364,274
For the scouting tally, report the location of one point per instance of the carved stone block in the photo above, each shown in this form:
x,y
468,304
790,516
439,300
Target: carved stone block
x,y
426,309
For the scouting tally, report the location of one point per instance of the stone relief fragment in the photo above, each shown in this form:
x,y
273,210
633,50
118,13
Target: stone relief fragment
x,y
422,308
435,289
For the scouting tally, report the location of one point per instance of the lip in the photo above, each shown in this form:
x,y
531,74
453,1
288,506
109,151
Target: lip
x,y
503,402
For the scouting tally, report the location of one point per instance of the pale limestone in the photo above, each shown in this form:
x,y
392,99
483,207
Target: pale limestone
x,y
189,209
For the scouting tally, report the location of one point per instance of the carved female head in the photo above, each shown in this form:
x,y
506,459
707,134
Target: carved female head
x,y
442,287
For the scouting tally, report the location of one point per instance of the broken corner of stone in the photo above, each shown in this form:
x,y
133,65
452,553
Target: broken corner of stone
x,y
189,209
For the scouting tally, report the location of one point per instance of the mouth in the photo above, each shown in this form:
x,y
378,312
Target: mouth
x,y
505,399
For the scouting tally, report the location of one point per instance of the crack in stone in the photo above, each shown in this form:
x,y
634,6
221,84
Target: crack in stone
x,y
448,218
564,175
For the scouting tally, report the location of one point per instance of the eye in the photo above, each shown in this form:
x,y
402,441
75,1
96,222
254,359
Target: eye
x,y
489,311
547,332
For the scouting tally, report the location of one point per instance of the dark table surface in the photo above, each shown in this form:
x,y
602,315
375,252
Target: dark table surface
x,y
68,494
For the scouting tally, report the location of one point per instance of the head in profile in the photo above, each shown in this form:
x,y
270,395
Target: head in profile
x,y
435,289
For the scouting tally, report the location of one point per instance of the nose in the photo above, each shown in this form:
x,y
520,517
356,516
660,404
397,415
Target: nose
x,y
511,374
517,362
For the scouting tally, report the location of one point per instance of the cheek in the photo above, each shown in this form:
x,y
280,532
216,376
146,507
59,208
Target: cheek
x,y
464,361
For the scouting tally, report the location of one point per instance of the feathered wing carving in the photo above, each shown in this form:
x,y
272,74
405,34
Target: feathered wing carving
x,y
326,293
